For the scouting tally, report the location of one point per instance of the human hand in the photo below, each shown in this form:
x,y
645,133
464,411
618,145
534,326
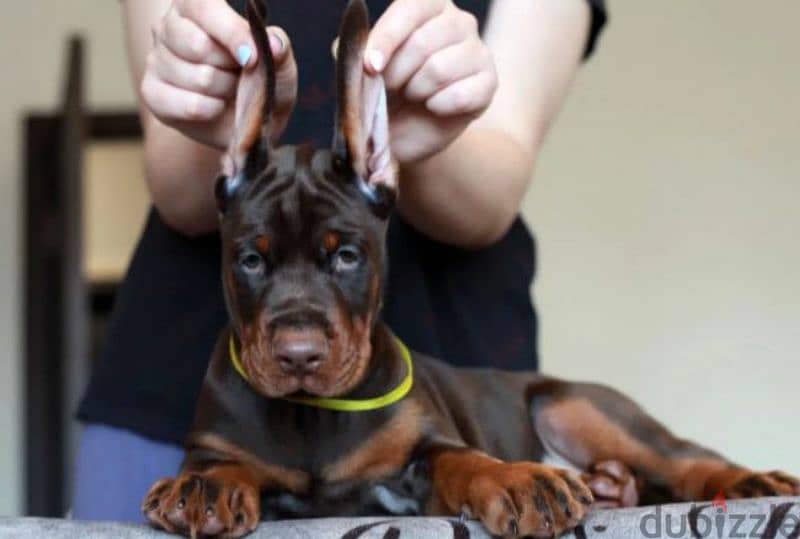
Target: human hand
x,y
192,70
439,73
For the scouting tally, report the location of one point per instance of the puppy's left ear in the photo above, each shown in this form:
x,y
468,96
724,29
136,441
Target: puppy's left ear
x,y
362,119
250,146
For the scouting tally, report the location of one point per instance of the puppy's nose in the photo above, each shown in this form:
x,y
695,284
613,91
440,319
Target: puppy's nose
x,y
299,354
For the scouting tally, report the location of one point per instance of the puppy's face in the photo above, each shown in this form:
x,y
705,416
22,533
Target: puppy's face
x,y
303,257
303,230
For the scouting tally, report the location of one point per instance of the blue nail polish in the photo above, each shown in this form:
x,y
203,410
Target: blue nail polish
x,y
243,54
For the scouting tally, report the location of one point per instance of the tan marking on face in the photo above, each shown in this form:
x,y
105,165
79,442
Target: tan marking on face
x,y
331,241
262,371
343,369
375,292
351,351
262,244
385,453
266,475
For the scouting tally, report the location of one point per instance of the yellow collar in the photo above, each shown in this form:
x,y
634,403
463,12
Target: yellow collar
x,y
346,405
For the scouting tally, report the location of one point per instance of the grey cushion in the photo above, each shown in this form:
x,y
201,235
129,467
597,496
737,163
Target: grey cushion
x,y
768,518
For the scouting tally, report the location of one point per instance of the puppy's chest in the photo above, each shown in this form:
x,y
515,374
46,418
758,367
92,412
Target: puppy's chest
x,y
375,475
403,493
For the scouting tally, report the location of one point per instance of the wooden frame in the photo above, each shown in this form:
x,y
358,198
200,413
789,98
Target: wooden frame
x,y
57,298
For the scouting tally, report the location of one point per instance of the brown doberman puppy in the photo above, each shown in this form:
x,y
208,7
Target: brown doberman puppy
x,y
311,407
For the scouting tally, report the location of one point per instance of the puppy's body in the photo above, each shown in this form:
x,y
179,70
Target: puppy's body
x,y
365,463
303,263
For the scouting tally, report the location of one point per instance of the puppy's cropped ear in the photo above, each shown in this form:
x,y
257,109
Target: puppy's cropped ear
x,y
248,152
362,120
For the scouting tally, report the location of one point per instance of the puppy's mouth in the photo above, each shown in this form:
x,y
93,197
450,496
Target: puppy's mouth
x,y
301,387
301,394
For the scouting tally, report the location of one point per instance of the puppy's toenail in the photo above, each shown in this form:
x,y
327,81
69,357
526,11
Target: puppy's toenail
x,y
209,511
181,503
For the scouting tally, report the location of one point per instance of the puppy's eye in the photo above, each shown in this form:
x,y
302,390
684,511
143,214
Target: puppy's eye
x,y
346,258
251,262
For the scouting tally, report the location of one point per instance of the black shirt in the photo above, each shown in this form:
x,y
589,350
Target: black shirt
x,y
467,307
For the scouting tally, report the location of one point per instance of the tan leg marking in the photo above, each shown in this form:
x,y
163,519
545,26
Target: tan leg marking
x,y
295,481
386,452
512,499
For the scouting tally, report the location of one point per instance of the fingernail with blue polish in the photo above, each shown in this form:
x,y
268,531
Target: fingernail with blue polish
x,y
243,54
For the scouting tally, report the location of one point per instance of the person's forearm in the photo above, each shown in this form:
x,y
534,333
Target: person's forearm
x,y
179,172
180,175
468,195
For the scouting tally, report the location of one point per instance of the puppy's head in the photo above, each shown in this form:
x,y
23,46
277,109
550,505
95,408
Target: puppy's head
x,y
303,229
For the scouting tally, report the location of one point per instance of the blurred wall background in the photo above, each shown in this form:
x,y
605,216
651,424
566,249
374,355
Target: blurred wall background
x,y
664,207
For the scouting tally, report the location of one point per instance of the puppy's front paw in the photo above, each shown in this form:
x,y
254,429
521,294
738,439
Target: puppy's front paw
x,y
759,484
203,504
527,499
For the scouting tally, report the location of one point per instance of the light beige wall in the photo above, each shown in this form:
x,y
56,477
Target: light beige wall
x,y
32,37
666,208
115,202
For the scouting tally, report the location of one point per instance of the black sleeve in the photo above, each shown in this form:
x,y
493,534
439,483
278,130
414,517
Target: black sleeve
x,y
598,21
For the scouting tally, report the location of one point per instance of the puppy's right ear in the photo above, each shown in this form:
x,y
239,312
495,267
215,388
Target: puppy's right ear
x,y
248,152
361,139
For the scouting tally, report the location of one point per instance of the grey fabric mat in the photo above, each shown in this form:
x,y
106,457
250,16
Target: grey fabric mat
x,y
768,518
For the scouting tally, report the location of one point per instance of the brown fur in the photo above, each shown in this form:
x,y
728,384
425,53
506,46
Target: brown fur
x,y
208,502
263,473
352,349
510,498
384,453
583,434
262,244
331,241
